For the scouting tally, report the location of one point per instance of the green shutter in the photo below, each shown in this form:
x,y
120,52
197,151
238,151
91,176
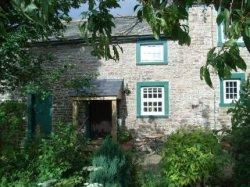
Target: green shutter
x,y
31,116
39,114
151,42
152,84
234,76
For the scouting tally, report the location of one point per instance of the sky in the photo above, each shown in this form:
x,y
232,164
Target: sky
x,y
127,9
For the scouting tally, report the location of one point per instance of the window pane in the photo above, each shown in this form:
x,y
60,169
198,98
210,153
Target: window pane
x,y
152,101
231,90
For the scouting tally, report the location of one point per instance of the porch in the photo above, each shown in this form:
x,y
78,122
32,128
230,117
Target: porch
x,y
96,108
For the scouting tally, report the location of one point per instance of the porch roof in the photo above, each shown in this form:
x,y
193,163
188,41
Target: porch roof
x,y
100,88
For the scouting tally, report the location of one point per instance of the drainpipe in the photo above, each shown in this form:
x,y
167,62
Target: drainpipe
x,y
212,37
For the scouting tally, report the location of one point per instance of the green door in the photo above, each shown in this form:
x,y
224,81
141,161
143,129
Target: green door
x,y
40,114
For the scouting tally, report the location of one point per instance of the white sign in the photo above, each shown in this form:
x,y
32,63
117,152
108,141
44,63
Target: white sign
x,y
152,53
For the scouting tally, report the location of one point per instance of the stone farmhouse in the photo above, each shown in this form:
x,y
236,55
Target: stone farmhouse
x,y
154,88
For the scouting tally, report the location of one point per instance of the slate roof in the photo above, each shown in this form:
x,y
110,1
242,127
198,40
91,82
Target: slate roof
x,y
125,26
100,88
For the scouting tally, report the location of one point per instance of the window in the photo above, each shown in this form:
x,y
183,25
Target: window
x,y
222,38
151,52
230,89
152,99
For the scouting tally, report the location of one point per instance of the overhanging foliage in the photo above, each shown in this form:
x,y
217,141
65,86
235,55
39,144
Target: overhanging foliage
x,y
25,21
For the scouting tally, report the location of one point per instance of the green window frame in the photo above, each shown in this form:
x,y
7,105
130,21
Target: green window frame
x,y
234,76
163,84
152,42
221,37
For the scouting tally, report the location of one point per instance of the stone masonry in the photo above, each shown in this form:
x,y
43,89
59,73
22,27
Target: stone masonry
x,y
192,102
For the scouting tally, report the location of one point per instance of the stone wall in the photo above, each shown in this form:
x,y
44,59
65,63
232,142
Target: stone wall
x,y
192,102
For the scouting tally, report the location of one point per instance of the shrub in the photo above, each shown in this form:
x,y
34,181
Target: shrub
x,y
62,155
124,135
241,137
12,124
12,131
191,157
113,165
59,159
18,167
150,178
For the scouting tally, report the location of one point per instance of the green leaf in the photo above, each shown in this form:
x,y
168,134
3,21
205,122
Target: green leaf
x,y
229,61
220,18
156,34
91,4
236,28
31,7
211,55
241,64
116,53
136,7
45,6
230,43
247,42
139,15
201,72
226,14
247,31
207,77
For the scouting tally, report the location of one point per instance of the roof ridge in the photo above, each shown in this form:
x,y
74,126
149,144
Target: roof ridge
x,y
119,16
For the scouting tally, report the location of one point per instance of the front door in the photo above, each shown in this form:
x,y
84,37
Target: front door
x,y
40,114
